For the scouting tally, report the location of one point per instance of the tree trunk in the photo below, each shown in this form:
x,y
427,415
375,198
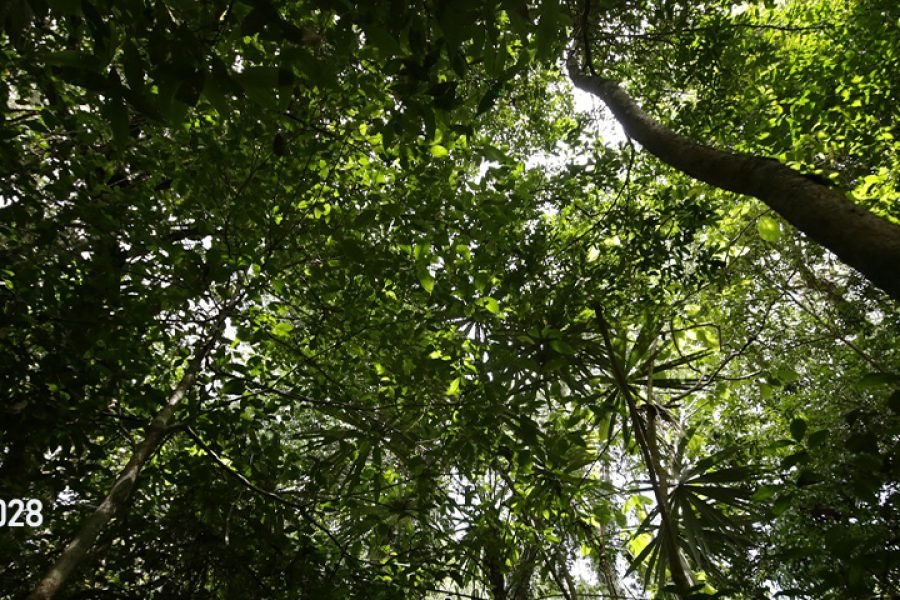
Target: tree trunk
x,y
863,240
115,501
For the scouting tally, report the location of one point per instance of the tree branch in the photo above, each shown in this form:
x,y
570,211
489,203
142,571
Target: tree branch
x,y
860,238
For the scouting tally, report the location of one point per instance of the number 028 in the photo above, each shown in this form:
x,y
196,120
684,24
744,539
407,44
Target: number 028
x,y
21,513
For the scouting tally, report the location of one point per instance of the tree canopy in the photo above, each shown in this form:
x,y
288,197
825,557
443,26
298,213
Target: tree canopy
x,y
496,299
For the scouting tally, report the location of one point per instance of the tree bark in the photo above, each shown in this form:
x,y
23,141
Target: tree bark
x,y
56,578
868,243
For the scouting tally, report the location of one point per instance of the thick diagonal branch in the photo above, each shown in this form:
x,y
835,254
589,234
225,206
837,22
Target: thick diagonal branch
x,y
56,578
861,239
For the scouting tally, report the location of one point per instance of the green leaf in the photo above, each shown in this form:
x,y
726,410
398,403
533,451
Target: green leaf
x,y
798,429
808,477
233,387
894,401
116,113
874,380
726,475
282,329
426,280
562,347
764,493
439,151
769,229
546,36
795,458
133,66
489,97
728,495
490,304
453,388
382,40
260,84
782,503
816,438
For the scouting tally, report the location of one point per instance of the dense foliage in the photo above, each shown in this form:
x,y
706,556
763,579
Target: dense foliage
x,y
328,299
